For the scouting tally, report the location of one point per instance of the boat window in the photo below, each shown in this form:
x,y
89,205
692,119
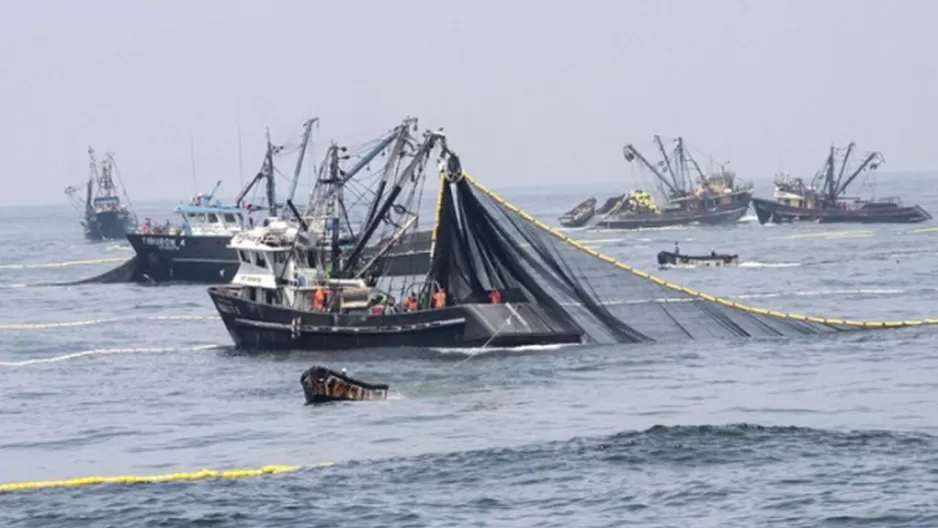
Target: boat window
x,y
212,219
244,256
196,217
261,261
230,218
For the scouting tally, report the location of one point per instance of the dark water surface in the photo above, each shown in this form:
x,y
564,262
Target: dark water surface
x,y
839,431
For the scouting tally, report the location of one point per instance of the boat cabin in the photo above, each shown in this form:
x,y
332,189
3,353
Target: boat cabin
x,y
267,273
217,220
106,203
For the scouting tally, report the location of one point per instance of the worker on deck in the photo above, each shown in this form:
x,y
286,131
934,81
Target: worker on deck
x,y
439,299
319,300
410,304
495,296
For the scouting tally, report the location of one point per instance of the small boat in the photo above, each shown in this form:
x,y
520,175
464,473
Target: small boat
x,y
822,199
579,215
105,216
321,385
713,260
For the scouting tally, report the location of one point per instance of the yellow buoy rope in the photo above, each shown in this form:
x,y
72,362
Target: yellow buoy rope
x,y
687,291
205,474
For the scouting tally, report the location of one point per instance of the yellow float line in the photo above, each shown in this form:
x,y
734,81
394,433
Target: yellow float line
x,y
687,291
204,474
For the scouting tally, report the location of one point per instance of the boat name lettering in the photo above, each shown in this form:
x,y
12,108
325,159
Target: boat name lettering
x,y
163,243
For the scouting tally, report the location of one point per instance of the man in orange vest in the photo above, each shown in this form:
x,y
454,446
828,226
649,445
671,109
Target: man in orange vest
x,y
439,299
410,304
319,299
495,296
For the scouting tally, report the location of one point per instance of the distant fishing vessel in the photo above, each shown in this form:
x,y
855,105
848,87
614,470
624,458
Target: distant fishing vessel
x,y
823,201
718,197
105,216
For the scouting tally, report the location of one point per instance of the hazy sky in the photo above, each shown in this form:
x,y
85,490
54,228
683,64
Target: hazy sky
x,y
527,91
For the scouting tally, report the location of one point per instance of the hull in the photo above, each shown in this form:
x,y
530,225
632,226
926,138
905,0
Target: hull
x,y
721,215
107,225
667,258
771,211
209,260
260,326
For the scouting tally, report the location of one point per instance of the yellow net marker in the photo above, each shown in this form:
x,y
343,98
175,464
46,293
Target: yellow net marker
x,y
205,474
702,296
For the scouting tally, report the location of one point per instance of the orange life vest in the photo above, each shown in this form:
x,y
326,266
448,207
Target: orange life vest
x,y
410,304
495,296
439,299
319,299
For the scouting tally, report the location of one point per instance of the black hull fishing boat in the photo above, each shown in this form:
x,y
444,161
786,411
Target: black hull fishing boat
x,y
713,260
277,301
883,212
208,259
199,252
259,325
717,199
717,215
580,215
104,216
822,200
323,385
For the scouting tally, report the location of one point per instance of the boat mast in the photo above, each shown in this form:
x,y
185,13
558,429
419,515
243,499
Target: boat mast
x,y
307,131
331,208
271,191
92,176
667,164
843,164
408,174
868,162
400,137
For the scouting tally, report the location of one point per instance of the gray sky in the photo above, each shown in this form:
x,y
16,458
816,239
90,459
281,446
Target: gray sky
x,y
529,92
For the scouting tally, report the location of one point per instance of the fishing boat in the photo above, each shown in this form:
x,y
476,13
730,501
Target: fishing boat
x,y
579,215
322,385
712,260
823,200
278,301
105,217
718,197
198,251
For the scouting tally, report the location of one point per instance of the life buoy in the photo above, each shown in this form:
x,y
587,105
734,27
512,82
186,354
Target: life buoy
x,y
727,260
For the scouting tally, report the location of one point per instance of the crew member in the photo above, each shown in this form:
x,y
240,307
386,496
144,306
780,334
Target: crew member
x,y
410,304
439,299
319,300
495,296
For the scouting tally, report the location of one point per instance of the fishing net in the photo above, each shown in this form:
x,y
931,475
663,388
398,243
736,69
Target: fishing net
x,y
484,242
